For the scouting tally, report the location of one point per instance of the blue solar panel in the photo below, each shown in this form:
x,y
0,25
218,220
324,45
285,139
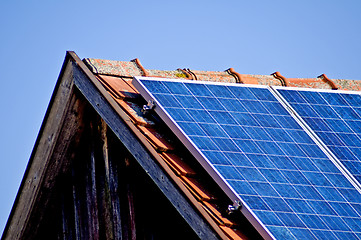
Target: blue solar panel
x,y
336,118
265,158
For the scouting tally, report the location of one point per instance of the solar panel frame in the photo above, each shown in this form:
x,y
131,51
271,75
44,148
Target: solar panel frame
x,y
222,182
197,153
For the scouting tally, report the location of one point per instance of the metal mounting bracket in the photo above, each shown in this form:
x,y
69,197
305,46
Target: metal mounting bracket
x,y
149,107
235,207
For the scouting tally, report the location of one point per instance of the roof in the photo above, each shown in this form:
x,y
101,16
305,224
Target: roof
x,y
107,85
116,75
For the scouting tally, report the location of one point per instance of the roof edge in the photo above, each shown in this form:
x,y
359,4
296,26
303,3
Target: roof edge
x,y
25,179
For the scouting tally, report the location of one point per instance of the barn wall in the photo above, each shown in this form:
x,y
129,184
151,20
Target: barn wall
x,y
105,194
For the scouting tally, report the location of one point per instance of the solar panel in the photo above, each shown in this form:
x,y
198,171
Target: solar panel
x,y
336,118
261,156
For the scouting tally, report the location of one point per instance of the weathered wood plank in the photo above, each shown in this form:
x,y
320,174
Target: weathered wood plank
x,y
90,185
67,210
77,207
111,185
106,213
132,225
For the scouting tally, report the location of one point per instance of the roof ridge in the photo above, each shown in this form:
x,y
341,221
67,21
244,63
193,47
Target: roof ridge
x,y
133,68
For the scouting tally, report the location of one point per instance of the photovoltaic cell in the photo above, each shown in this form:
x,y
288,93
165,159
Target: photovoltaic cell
x,y
263,155
336,118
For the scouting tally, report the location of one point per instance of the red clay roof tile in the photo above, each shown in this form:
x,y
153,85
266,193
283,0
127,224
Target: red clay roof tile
x,y
166,74
177,164
308,83
198,189
119,87
116,68
217,215
214,76
353,85
157,139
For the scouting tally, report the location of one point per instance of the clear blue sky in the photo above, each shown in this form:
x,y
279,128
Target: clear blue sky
x,y
298,38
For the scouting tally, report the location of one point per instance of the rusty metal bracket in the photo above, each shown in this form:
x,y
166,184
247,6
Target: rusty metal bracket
x,y
194,76
328,81
185,72
282,79
235,74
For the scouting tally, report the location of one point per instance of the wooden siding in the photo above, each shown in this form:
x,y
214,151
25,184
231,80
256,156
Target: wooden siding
x,y
104,194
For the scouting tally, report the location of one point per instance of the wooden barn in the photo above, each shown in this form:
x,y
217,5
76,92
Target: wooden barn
x,y
106,166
